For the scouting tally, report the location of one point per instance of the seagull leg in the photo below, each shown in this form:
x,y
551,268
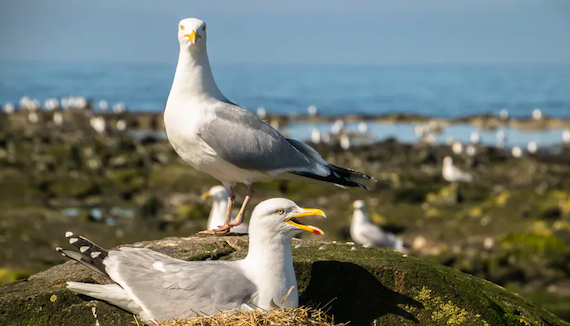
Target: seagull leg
x,y
226,227
239,218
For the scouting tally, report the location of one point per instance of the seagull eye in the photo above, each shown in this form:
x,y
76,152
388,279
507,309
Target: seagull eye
x,y
181,27
204,28
280,211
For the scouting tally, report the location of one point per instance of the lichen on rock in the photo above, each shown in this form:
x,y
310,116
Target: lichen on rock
x,y
363,286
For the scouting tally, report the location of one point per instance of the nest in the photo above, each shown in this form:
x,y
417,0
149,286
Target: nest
x,y
302,316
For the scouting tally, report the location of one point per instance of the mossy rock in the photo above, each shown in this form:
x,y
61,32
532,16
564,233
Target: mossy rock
x,y
363,286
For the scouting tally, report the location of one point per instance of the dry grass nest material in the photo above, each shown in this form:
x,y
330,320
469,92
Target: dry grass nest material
x,y
303,316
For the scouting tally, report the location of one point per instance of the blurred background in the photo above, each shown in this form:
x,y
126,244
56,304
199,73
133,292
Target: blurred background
x,y
386,88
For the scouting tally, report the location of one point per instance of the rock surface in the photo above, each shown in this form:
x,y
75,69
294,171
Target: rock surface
x,y
361,286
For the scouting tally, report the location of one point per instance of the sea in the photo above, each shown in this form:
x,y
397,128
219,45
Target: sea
x,y
446,91
336,90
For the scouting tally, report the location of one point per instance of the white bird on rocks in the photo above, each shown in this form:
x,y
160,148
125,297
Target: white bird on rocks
x,y
57,118
313,111
8,108
474,138
457,147
315,136
364,232
261,113
51,104
345,142
119,107
504,114
121,125
516,152
500,138
217,217
363,127
98,124
103,105
24,102
471,150
451,173
65,103
27,103
532,147
566,136
337,127
33,117
537,114
155,287
80,103
218,137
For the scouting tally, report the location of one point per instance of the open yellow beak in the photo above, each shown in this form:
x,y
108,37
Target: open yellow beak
x,y
206,195
307,212
193,37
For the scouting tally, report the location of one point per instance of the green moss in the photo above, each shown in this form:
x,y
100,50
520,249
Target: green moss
x,y
71,187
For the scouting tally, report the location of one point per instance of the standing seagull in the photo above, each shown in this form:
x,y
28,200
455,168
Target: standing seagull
x,y
220,138
155,286
217,216
363,232
451,173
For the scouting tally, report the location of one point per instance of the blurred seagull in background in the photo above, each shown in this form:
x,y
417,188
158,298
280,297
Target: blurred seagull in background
x,y
500,138
345,142
98,124
504,114
471,150
537,114
121,125
119,107
363,127
516,152
220,138
364,232
532,147
474,138
566,136
103,105
156,287
313,111
261,113
337,127
457,147
315,136
453,174
57,118
33,117
51,104
217,217
8,108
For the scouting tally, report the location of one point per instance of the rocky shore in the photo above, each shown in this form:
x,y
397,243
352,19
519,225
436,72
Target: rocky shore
x,y
510,226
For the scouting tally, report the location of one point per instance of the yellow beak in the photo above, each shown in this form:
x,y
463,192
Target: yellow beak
x,y
206,195
193,37
307,212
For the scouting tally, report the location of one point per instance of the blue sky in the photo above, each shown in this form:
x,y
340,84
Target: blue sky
x,y
294,31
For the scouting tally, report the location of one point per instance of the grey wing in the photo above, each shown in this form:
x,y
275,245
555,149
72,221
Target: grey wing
x,y
249,143
376,236
169,288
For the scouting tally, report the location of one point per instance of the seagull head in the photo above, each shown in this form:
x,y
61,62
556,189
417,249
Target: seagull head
x,y
216,193
447,161
192,33
280,217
